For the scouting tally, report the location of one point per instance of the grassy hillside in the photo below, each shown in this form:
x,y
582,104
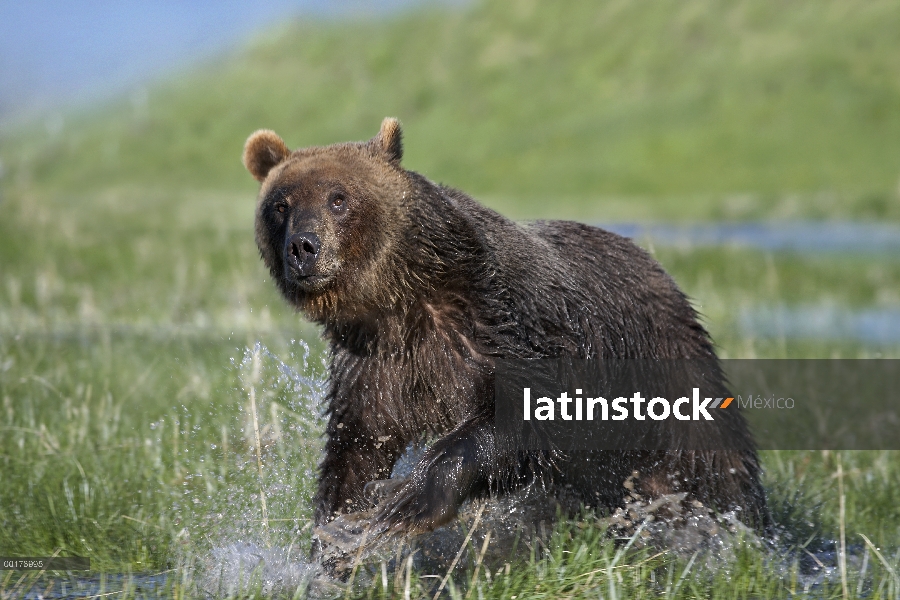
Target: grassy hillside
x,y
723,109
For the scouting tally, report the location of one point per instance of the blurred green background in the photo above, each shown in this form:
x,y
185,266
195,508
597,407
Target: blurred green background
x,y
130,285
685,110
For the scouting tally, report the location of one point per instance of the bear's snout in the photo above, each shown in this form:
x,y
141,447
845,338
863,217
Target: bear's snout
x,y
301,252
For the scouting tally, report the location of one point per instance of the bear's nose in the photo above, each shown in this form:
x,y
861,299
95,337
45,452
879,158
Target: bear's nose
x,y
301,252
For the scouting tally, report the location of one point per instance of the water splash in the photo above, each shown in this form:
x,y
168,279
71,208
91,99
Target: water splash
x,y
240,567
253,534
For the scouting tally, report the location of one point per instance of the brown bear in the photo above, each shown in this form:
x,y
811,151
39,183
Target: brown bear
x,y
420,291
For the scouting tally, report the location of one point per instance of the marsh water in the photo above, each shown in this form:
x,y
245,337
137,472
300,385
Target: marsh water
x,y
799,236
826,321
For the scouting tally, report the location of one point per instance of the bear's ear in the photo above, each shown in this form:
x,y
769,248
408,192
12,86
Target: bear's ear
x,y
263,150
389,140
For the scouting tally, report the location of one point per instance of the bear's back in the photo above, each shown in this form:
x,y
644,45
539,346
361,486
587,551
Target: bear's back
x,y
576,290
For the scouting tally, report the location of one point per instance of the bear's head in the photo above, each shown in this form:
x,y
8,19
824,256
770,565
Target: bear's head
x,y
328,217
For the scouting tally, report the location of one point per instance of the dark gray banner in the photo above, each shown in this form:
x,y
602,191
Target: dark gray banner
x,y
699,404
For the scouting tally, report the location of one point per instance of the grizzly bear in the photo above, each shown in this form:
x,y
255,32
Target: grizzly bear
x,y
421,290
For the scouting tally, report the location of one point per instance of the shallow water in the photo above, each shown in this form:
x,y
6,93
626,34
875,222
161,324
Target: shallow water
x,y
877,326
800,236
110,585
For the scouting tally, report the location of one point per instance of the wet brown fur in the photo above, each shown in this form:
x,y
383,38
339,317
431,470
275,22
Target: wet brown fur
x,y
419,289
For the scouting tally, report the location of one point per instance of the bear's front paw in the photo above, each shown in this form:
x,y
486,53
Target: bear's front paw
x,y
416,507
379,490
349,538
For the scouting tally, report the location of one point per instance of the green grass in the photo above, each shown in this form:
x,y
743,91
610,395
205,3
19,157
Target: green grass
x,y
132,295
126,425
698,109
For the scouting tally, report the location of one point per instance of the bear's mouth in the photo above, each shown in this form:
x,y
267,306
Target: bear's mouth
x,y
309,283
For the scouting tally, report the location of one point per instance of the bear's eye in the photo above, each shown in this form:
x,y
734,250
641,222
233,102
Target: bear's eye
x,y
338,203
281,208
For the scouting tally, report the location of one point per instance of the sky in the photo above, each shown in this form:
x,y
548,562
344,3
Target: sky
x,y
59,53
